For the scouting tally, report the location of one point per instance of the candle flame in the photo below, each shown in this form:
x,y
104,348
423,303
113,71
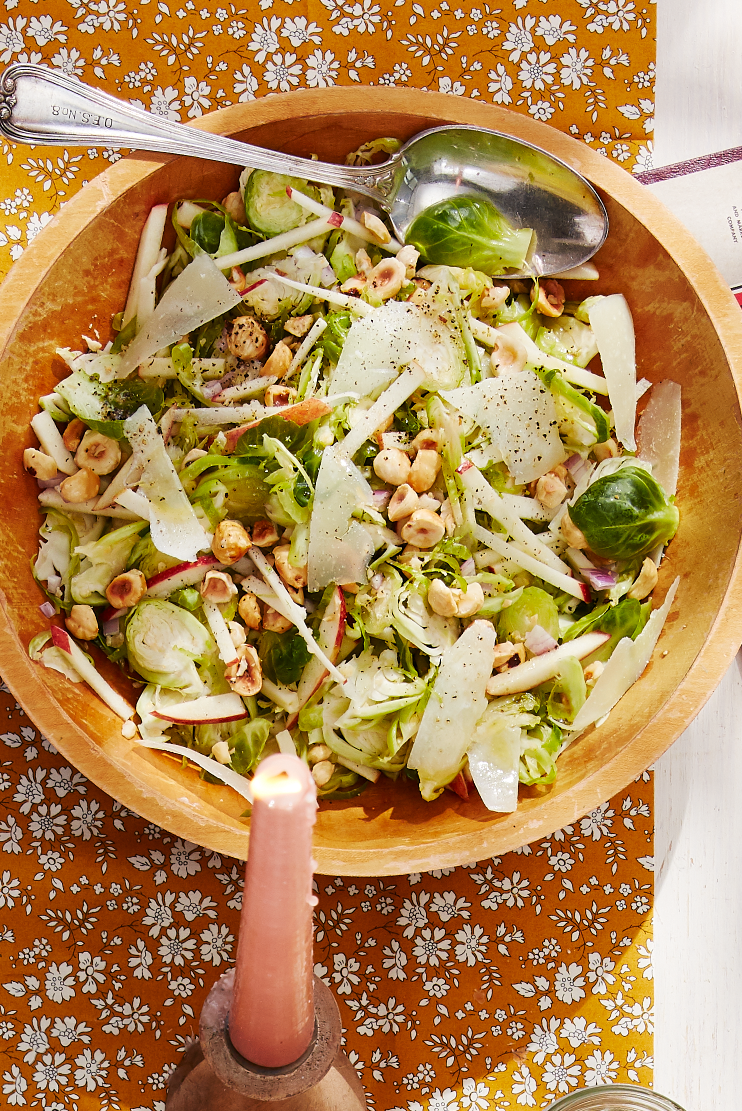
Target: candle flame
x,y
271,786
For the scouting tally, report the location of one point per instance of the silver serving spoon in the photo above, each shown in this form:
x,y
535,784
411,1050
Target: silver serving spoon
x,y
531,188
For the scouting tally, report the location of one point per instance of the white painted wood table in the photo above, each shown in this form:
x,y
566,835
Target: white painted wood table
x,y
698,783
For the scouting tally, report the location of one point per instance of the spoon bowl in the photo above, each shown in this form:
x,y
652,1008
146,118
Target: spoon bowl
x,y
530,187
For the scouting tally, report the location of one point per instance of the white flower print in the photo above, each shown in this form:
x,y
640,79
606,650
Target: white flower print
x,y
544,1040
345,973
414,915
300,31
48,821
524,1086
361,18
501,84
185,856
64,780
11,38
59,982
30,791
14,1086
159,914
322,69
264,39
67,1030
34,1040
44,30
51,1071
446,85
536,70
432,946
448,905
579,1032
553,29
616,14
561,1072
92,1069
176,945
87,819
216,945
90,973
519,38
474,1096
193,904
140,960
577,68
541,110
569,984
164,102
600,1068
9,890
245,84
11,835
282,72
443,1101
472,944
196,94
644,159
645,959
599,973
394,961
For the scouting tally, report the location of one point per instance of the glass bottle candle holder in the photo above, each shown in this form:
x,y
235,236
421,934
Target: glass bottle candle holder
x,y
615,1097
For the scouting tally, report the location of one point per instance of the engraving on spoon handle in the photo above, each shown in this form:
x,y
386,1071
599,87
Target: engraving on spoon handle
x,y
39,106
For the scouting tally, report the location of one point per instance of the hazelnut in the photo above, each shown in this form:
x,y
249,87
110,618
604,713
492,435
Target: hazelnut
x,y
127,589
249,610
279,360
245,677
298,325
98,453
403,502
392,465
376,227
73,433
246,338
550,300
575,537
80,487
235,206
607,450
423,529
386,279
82,622
323,772
275,622
550,490
291,575
646,580
494,297
279,395
38,464
264,534
231,541
217,587
424,470
508,355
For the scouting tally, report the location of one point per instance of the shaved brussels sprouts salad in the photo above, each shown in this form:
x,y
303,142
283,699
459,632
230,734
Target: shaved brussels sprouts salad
x,y
323,495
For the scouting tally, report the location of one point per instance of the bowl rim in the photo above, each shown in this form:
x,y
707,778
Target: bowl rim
x,y
107,769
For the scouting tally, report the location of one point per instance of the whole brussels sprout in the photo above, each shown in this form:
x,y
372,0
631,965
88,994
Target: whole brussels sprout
x,y
625,514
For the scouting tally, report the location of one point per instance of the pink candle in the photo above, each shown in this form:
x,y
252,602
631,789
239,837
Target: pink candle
x,y
271,1019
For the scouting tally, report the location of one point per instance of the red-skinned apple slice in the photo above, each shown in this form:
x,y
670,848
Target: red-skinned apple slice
x,y
210,708
183,574
329,637
459,786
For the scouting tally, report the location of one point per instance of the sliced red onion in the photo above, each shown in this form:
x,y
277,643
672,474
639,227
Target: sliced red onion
x,y
48,483
111,614
48,608
598,579
576,466
211,389
53,583
539,641
327,277
111,628
377,581
382,498
468,567
254,285
303,252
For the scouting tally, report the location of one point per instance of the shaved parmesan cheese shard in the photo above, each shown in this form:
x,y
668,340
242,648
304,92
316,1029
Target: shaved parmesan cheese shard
x,y
174,527
391,400
519,415
197,295
624,667
339,547
225,774
393,335
456,703
610,320
494,756
659,434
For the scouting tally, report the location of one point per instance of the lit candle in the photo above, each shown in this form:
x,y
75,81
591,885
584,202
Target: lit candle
x,y
271,1018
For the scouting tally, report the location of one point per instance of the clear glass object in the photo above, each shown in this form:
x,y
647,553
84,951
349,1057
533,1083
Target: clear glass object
x,y
615,1097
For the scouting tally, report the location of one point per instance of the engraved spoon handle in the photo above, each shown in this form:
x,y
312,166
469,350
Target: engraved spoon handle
x,y
41,106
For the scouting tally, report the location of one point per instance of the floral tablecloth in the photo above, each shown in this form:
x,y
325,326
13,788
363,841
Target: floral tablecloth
x,y
501,984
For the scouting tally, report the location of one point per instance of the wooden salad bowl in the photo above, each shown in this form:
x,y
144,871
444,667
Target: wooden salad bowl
x,y
689,328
